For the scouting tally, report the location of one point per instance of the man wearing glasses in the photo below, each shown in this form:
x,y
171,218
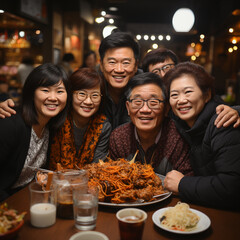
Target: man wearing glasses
x,y
159,61
150,132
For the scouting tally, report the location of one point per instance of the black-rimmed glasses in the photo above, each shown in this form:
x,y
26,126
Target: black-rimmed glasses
x,y
152,103
164,69
95,97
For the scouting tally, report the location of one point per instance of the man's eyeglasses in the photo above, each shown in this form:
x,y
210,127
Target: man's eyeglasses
x,y
95,97
137,103
164,69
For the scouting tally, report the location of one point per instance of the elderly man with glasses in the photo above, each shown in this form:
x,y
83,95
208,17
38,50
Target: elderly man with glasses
x,y
150,133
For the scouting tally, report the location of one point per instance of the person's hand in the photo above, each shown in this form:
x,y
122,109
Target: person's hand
x,y
172,181
226,117
6,108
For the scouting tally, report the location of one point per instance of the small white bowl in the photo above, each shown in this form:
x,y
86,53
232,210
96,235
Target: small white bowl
x,y
89,235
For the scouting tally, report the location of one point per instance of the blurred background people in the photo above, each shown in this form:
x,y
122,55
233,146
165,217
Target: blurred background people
x,y
90,60
67,60
24,68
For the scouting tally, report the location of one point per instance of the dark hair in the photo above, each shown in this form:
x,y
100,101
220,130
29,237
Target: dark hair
x,y
143,79
157,56
86,78
204,81
27,60
44,75
118,40
86,55
68,57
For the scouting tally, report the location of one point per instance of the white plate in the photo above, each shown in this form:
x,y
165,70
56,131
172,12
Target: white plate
x,y
136,204
202,225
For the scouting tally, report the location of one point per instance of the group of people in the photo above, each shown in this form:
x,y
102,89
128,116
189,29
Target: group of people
x,y
168,113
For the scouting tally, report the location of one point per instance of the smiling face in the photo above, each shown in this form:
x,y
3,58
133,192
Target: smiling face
x,y
84,109
145,119
157,68
118,66
50,101
186,99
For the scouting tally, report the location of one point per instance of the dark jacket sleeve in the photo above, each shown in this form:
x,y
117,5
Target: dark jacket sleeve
x,y
101,150
219,182
14,144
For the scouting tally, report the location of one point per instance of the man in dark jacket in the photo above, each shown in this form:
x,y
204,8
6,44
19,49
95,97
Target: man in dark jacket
x,y
119,53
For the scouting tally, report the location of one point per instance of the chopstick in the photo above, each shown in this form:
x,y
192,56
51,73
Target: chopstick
x,y
40,169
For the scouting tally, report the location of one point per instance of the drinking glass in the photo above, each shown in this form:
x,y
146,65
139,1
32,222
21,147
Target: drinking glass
x,y
42,206
131,223
85,208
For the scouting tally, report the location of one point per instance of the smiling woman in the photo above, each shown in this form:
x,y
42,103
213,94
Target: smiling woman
x,y
24,137
215,152
84,136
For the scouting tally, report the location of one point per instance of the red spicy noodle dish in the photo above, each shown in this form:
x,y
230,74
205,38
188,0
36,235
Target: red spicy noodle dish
x,y
122,182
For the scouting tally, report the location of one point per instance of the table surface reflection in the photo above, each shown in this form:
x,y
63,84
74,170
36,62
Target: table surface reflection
x,y
224,224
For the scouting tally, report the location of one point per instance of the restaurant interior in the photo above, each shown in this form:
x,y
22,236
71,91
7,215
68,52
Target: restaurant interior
x,y
47,29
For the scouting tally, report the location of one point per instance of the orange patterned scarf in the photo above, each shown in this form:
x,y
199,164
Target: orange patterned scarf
x,y
63,148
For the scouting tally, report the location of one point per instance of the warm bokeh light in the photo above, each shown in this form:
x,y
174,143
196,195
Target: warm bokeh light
x,y
235,48
1,11
103,13
201,40
108,30
231,30
230,50
111,21
183,20
138,37
154,46
234,41
153,37
193,58
22,34
145,37
202,36
197,54
38,32
160,37
99,19
193,45
168,37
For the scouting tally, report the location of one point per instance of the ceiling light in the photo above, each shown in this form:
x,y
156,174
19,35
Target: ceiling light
x,y
113,9
154,46
153,37
202,36
108,30
183,20
145,37
234,41
103,13
111,21
99,19
168,37
138,37
160,37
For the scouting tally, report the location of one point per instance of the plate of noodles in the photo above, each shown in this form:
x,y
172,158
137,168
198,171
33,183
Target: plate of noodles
x,y
124,184
181,219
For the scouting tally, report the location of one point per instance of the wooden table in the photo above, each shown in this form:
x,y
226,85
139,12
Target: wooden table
x,y
224,224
